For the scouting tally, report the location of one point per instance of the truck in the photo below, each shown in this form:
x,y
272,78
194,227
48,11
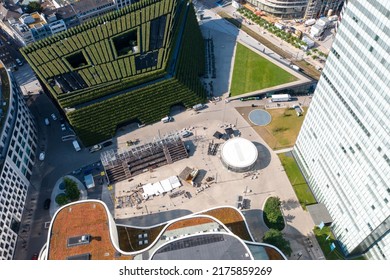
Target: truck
x,y
76,145
295,67
324,22
309,43
280,97
167,119
316,31
310,22
279,25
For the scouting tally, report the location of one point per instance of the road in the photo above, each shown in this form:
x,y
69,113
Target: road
x,y
60,159
8,50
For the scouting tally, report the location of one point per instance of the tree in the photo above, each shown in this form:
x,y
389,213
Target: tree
x,y
273,204
62,199
72,192
275,237
33,7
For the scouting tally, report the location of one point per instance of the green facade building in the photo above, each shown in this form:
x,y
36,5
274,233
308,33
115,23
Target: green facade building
x,y
128,65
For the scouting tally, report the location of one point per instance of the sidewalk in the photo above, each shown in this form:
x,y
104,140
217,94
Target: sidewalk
x,y
296,54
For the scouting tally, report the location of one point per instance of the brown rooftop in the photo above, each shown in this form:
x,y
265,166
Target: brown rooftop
x,y
88,218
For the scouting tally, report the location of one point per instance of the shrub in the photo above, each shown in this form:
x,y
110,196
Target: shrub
x,y
72,192
62,199
272,215
275,237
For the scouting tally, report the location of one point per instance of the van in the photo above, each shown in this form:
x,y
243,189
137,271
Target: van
x,y
167,119
198,107
76,145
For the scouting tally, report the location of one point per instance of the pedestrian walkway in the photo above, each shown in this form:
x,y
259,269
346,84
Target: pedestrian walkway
x,y
282,151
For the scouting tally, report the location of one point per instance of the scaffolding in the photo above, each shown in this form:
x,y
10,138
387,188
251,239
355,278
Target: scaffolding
x,y
124,163
114,157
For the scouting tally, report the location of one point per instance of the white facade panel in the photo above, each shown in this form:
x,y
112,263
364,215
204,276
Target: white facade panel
x,y
344,145
18,145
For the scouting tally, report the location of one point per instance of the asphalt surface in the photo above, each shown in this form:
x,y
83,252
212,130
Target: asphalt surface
x,y
8,50
60,159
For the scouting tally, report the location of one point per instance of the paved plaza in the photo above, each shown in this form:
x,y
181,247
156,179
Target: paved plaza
x,y
267,179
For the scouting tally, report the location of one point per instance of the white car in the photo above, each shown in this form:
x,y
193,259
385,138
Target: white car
x,y
63,127
53,117
95,148
186,133
42,156
47,121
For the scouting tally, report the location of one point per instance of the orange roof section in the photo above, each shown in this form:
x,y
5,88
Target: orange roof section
x,y
88,218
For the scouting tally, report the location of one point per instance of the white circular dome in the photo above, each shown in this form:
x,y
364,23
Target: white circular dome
x,y
239,154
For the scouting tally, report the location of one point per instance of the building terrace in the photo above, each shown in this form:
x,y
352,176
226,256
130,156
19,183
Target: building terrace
x,y
77,220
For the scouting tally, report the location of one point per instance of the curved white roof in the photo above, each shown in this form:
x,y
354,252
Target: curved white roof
x,y
239,152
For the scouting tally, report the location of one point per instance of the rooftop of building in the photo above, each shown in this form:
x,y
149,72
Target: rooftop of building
x,y
82,230
38,20
8,11
71,223
80,6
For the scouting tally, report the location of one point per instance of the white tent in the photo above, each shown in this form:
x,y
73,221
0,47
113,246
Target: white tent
x,y
175,182
148,190
158,189
166,185
161,187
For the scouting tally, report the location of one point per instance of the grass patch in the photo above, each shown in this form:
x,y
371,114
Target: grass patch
x,y
282,131
306,67
272,215
297,180
336,254
253,72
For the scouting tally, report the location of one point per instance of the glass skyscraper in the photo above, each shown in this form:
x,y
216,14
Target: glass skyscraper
x,y
344,145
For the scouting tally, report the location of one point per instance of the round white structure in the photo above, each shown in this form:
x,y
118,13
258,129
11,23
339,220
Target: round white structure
x,y
239,154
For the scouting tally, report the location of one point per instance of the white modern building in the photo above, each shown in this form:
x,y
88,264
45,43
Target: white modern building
x,y
343,148
325,8
281,8
239,154
17,155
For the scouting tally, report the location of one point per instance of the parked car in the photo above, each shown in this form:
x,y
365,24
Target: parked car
x,y
19,62
42,156
108,143
167,119
95,148
186,133
53,116
46,204
47,122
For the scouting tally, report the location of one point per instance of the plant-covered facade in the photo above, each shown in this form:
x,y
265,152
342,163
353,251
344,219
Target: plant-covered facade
x,y
131,64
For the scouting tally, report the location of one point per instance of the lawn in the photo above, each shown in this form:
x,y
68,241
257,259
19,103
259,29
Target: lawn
x,y
297,180
282,131
253,72
284,128
321,235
